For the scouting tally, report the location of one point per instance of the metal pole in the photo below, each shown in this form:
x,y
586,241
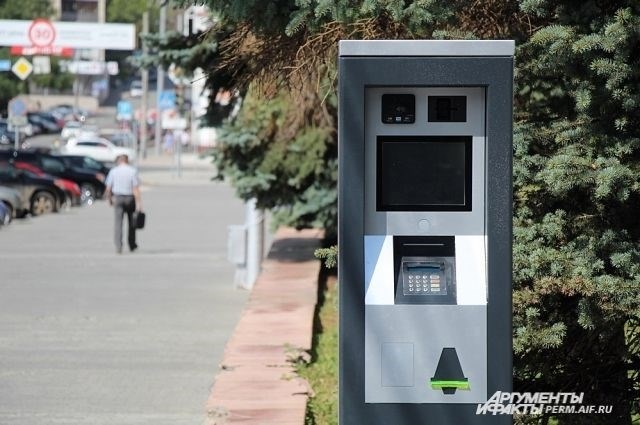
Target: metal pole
x,y
255,241
102,18
179,155
160,83
145,88
16,143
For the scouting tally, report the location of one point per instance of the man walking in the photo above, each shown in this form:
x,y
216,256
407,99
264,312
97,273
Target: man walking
x,y
123,192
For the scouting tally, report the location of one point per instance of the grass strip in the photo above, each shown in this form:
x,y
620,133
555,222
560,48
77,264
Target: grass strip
x,y
322,370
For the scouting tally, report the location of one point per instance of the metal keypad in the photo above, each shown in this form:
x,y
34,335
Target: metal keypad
x,y
419,278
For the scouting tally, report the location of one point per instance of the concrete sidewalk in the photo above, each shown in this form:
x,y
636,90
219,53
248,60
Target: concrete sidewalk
x,y
91,337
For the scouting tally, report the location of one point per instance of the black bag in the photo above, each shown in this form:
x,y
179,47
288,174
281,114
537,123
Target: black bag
x,y
139,219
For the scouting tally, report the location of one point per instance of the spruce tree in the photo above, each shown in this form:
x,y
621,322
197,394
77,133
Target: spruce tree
x,y
576,157
577,192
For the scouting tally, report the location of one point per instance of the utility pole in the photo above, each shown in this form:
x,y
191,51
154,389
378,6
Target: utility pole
x,y
160,83
102,18
145,91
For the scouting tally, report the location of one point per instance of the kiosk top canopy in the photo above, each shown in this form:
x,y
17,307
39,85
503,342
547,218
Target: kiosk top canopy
x,y
427,48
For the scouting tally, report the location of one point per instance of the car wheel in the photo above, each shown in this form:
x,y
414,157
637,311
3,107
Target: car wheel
x,y
88,194
9,211
43,203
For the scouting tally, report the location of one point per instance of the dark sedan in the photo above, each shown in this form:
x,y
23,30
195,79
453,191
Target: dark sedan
x,y
8,137
91,182
46,123
40,194
84,162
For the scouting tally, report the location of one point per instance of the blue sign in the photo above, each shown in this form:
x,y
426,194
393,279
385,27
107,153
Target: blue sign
x,y
17,107
5,65
124,110
167,100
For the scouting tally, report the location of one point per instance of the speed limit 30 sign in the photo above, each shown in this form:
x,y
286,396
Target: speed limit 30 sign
x,y
42,33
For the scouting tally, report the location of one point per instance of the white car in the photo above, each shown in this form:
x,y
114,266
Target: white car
x,y
97,148
135,90
71,129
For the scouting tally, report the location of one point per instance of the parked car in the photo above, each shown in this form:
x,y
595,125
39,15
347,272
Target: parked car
x,y
57,119
5,215
82,161
29,130
135,89
71,189
12,200
91,182
41,193
47,125
70,112
71,129
8,137
97,148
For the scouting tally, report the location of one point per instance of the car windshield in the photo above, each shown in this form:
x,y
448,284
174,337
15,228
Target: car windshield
x,y
91,163
52,165
6,170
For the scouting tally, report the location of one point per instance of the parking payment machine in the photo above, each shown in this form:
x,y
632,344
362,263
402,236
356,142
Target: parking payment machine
x,y
425,151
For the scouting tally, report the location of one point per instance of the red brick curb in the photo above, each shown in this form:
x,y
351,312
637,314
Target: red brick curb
x,y
257,384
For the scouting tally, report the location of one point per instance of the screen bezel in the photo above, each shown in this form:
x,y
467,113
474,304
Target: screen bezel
x,y
468,150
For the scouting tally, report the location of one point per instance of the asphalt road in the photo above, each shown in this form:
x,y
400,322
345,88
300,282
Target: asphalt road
x,y
91,337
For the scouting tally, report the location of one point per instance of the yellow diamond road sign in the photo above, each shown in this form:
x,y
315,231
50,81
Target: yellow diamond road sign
x,y
22,68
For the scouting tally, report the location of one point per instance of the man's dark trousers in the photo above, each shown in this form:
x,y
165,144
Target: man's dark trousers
x,y
125,204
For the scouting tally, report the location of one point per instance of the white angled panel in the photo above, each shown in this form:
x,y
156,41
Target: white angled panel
x,y
378,258
471,272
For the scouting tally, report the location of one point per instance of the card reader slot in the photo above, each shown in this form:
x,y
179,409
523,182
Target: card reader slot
x,y
424,270
429,267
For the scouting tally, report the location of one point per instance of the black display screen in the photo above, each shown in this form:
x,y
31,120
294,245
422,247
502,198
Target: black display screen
x,y
425,173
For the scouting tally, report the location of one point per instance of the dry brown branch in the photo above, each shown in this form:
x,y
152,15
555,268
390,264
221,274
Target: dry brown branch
x,y
499,19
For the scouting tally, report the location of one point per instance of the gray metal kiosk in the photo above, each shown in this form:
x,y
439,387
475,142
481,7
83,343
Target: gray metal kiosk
x,y
425,146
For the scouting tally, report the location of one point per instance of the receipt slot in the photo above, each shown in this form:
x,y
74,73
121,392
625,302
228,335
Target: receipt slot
x,y
424,234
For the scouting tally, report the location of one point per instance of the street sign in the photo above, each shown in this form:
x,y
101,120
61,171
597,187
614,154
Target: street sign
x,y
22,68
167,100
174,123
89,67
5,65
65,52
17,121
17,115
17,107
42,33
124,111
41,65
